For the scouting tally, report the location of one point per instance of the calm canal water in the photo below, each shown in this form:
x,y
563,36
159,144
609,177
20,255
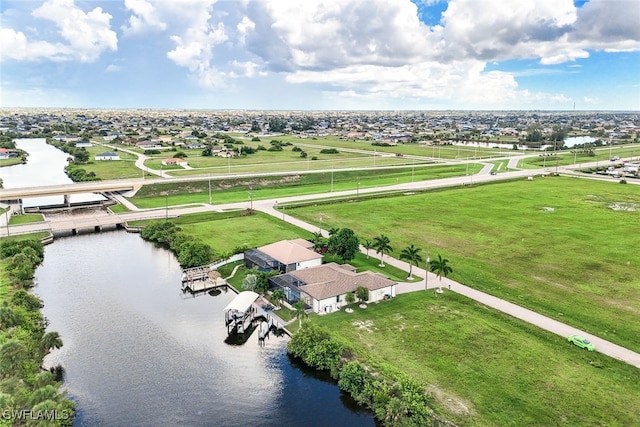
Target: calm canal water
x,y
45,166
138,352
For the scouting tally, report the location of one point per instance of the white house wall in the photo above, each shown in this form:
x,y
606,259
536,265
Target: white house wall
x,y
308,263
332,305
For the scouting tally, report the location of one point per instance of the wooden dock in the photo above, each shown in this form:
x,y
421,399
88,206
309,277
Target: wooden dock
x,y
202,286
195,274
201,279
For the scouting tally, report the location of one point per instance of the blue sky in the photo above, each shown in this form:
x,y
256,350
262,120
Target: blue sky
x,y
321,55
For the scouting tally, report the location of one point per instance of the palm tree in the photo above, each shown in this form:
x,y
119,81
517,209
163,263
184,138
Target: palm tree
x,y
368,244
441,268
319,242
411,254
382,245
299,312
49,341
277,296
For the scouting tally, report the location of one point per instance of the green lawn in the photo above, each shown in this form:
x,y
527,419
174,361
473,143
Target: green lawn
x,y
484,368
111,169
560,246
225,231
26,219
10,162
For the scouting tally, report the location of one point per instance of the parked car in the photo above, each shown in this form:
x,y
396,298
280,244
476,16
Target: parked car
x,y
581,342
493,173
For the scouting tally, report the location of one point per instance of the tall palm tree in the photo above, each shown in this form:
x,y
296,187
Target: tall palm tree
x,y
441,268
411,254
368,244
299,312
382,245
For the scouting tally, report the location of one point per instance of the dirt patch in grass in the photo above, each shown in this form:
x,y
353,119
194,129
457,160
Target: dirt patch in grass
x,y
366,325
453,404
623,206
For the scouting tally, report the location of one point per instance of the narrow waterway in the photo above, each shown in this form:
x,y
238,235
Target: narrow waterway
x,y
138,352
45,166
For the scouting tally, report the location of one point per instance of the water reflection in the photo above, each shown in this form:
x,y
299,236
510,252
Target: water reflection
x,y
137,352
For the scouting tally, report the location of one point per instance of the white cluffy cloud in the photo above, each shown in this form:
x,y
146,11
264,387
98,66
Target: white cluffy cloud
x,y
85,36
381,48
144,18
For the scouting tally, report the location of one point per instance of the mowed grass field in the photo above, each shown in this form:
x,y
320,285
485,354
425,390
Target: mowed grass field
x,y
484,368
564,247
111,169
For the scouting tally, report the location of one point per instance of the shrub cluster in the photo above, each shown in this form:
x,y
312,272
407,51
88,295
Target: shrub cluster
x,y
78,174
395,400
22,258
24,385
329,151
190,252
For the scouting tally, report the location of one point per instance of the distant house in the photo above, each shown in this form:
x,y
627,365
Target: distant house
x,y
107,156
285,255
149,145
324,288
195,146
84,144
174,161
5,153
65,138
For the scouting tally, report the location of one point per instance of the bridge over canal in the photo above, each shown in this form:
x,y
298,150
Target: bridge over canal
x,y
66,190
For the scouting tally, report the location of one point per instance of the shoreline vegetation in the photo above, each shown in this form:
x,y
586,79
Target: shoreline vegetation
x,y
29,393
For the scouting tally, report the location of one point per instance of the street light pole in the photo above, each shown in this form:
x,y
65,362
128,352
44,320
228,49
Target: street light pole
x,y
332,177
426,274
555,154
166,206
357,190
209,190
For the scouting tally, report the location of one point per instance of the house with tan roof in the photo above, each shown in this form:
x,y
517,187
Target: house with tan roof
x,y
284,256
324,288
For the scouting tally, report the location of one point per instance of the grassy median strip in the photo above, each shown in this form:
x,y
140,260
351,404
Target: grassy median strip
x,y
237,190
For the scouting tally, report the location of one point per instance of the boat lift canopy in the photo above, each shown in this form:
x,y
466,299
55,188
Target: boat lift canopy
x,y
242,302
